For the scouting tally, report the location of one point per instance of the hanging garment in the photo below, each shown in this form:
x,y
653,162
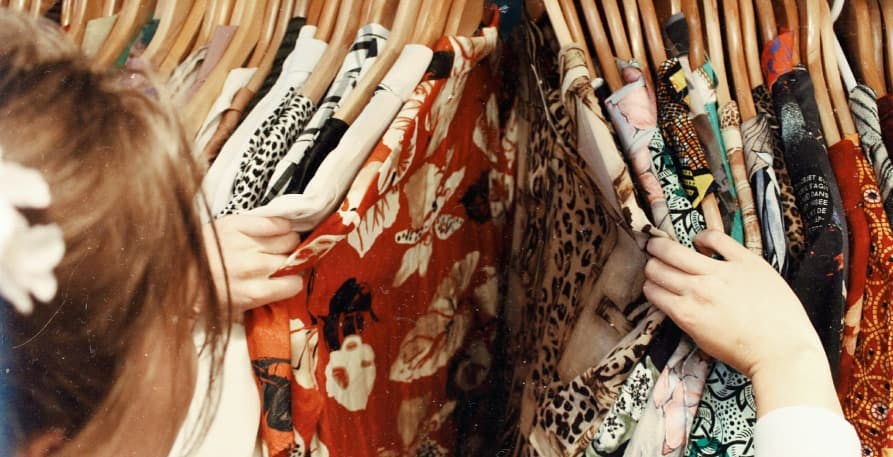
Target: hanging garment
x,y
251,186
864,105
338,172
847,173
370,39
819,280
622,419
218,183
189,76
867,400
365,361
759,154
665,424
576,323
793,222
680,134
633,111
286,47
730,125
236,80
139,43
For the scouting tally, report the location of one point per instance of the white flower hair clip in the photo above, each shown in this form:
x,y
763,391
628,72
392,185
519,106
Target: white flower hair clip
x,y
28,254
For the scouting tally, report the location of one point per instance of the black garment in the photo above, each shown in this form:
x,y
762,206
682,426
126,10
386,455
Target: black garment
x,y
819,281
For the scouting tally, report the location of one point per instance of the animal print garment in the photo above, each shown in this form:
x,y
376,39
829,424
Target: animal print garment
x,y
793,222
580,323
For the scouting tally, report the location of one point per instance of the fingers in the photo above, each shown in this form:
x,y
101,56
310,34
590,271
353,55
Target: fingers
x,y
262,292
668,277
254,226
281,244
680,257
723,245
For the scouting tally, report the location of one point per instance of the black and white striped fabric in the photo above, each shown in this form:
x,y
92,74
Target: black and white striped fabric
x,y
863,104
369,42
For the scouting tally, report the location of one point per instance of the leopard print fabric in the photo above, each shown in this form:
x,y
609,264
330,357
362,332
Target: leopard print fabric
x,y
269,144
793,222
574,341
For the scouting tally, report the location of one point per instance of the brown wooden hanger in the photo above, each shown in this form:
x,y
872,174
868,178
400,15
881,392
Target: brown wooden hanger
x,y
637,39
385,13
751,42
82,12
559,24
430,28
715,50
185,37
603,52
653,33
327,19
314,12
405,19
737,60
171,15
342,38
236,54
812,50
219,13
838,95
877,39
300,8
265,65
856,31
109,7
572,19
696,53
277,13
766,16
131,18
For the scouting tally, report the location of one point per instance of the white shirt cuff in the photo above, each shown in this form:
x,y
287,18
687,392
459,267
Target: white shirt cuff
x,y
805,431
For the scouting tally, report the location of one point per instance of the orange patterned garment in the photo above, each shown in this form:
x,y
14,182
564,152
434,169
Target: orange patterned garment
x,y
393,335
867,399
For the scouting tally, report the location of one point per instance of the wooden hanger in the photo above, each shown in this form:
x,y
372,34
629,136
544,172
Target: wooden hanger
x,y
603,52
219,13
792,22
887,15
653,33
812,51
83,12
235,55
846,71
751,42
342,38
386,14
737,60
572,19
766,16
314,11
559,25
185,37
832,72
171,15
132,16
326,26
266,63
877,38
696,53
270,27
109,7
857,34
454,19
617,29
300,8
402,31
715,49
430,28
637,39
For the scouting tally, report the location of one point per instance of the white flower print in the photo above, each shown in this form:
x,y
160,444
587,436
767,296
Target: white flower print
x,y
350,374
317,448
377,219
427,193
28,254
439,333
485,134
316,248
304,353
398,161
348,209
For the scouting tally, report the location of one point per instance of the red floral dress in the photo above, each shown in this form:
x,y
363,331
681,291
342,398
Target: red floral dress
x,y
392,335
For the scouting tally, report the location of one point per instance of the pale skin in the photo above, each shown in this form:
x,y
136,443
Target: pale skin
x,y
740,311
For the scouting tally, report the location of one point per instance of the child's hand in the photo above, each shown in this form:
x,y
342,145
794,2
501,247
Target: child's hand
x,y
253,248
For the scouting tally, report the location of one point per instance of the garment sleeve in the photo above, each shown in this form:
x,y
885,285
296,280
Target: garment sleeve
x,y
805,431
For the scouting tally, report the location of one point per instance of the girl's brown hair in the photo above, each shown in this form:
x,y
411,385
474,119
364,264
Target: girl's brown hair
x,y
110,362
